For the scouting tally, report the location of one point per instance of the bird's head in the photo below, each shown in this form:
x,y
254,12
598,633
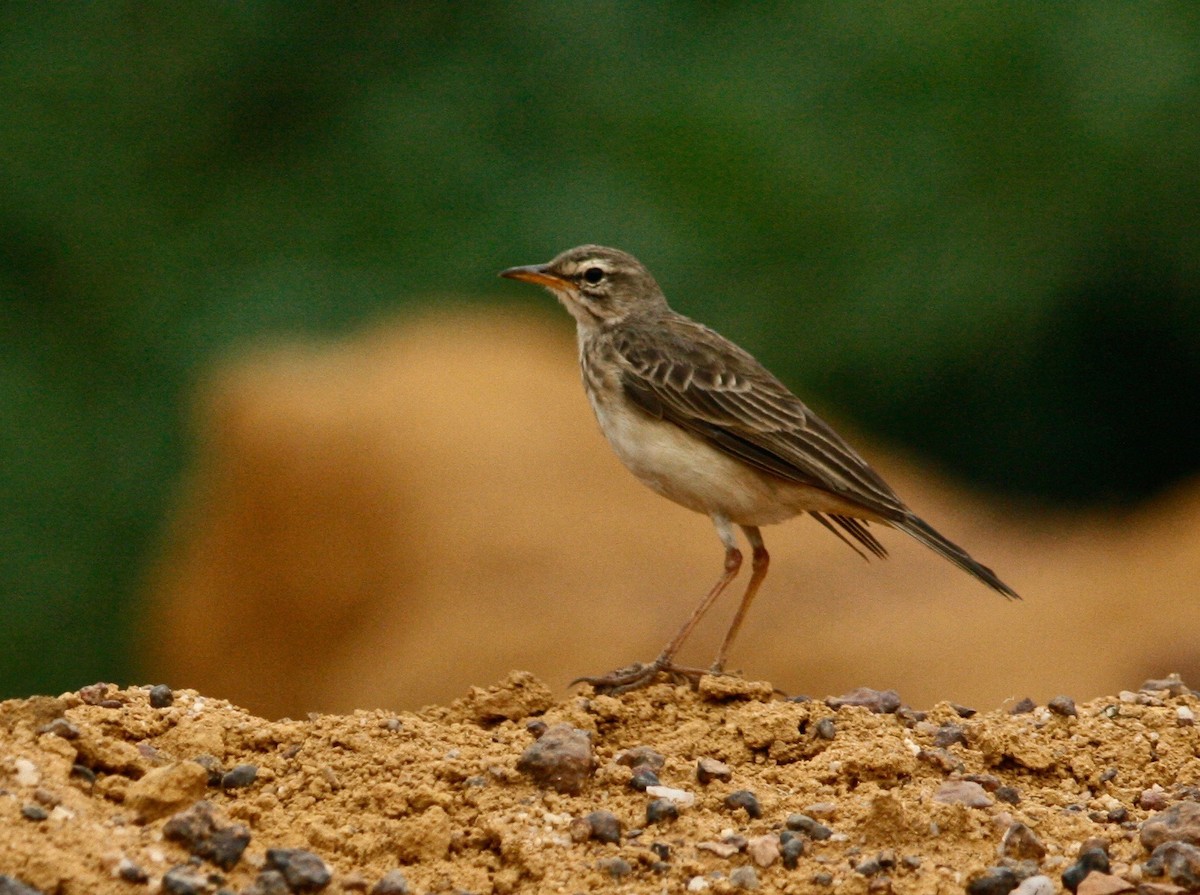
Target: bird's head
x,y
597,285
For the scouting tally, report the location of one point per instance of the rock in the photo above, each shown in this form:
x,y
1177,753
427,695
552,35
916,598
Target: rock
x,y
561,759
948,735
615,867
1155,888
791,852
709,769
27,773
1096,883
1178,861
604,826
1152,799
814,830
201,833
12,886
1063,705
1008,794
1089,860
993,881
720,849
744,799
161,696
302,870
1171,683
763,850
1021,843
165,790
242,775
1180,822
660,810
826,729
391,883
1024,707
963,792
1039,884
881,702
185,879
34,813
268,882
744,877
642,755
131,872
642,778
680,797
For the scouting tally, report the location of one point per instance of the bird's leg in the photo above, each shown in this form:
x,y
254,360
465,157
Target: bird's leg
x,y
640,674
759,562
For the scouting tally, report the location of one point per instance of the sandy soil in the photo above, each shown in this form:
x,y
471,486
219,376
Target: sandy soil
x,y
101,791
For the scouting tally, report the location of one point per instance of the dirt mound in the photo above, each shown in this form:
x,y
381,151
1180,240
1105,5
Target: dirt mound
x,y
509,790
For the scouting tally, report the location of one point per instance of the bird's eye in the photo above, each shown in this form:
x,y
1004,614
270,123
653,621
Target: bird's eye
x,y
593,275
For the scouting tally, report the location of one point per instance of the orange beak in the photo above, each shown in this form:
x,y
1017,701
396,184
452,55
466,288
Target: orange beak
x,y
534,273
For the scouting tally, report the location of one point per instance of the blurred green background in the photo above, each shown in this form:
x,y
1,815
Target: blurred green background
x,y
972,229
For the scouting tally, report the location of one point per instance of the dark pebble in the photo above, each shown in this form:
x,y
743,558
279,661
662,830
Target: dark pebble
x,y
304,871
869,867
61,727
963,711
84,773
791,852
34,812
642,755
799,697
881,702
660,810
662,850
823,879
1177,861
1110,774
132,873
1089,859
1118,815
744,877
1020,842
213,765
1024,707
12,886
604,826
993,881
537,727
561,759
1172,684
161,696
744,798
242,775
186,879
826,729
814,830
202,834
709,769
911,717
660,867
1063,705
949,734
1008,794
614,867
268,882
642,777
391,883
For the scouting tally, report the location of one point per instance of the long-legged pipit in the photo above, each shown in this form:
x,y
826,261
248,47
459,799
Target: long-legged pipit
x,y
703,423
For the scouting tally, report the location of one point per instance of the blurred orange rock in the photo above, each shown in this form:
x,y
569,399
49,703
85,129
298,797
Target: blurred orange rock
x,y
392,519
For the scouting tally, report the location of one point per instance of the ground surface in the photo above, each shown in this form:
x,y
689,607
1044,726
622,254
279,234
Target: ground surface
x,y
101,791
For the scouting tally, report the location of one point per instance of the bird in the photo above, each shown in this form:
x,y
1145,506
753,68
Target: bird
x,y
700,421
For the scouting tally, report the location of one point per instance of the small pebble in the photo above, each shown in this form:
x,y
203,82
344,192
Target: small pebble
x,y
161,696
1096,883
1179,822
1184,716
660,810
869,867
242,775
303,870
963,711
1063,705
131,872
27,773
391,883
1153,799
560,759
662,850
201,832
536,726
642,755
268,882
1117,815
1024,707
1171,683
1010,795
1038,884
881,702
604,826
791,852
993,881
823,879
642,777
185,879
744,877
948,735
745,799
697,884
826,729
814,830
1089,859
1021,843
615,867
61,727
34,812
963,792
709,769
680,797
764,850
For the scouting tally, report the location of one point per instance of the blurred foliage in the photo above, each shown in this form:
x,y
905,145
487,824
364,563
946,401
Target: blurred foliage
x,y
970,227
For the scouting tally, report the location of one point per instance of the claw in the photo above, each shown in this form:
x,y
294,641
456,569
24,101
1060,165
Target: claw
x,y
641,674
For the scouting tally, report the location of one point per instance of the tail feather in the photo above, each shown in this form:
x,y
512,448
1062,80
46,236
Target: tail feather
x,y
918,528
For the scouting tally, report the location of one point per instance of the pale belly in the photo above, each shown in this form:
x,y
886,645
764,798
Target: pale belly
x,y
692,473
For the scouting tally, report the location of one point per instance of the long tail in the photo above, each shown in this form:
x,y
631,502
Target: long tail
x,y
925,533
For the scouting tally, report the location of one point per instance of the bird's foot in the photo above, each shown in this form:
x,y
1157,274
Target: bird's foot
x,y
641,674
